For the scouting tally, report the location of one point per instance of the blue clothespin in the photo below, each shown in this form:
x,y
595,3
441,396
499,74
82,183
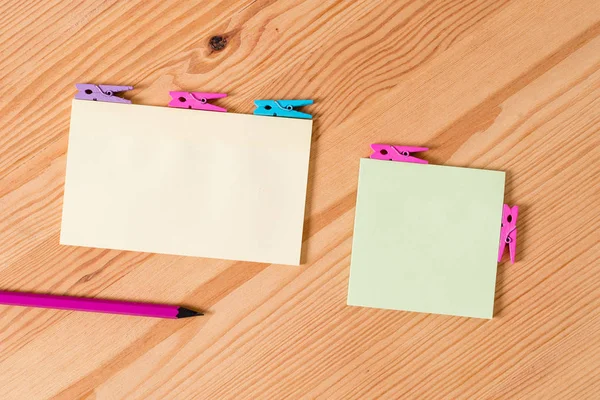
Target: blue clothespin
x,y
282,108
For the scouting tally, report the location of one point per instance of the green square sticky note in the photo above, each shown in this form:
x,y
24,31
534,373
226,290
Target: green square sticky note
x,y
426,238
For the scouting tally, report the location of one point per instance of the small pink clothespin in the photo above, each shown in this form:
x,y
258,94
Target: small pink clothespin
x,y
397,153
196,100
508,232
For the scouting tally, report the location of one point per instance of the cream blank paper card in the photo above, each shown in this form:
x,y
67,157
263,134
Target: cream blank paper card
x,y
186,182
426,238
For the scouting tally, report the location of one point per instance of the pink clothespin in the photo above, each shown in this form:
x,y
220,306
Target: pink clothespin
x,y
397,153
508,232
196,100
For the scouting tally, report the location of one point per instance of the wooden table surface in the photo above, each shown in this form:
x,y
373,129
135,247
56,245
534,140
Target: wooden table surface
x,y
506,85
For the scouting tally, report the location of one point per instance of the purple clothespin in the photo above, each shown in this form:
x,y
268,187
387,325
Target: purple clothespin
x,y
508,232
89,91
196,100
397,153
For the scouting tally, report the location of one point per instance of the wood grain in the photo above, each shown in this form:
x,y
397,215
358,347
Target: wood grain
x,y
507,85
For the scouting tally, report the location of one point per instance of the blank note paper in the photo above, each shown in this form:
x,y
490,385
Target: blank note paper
x,y
186,182
426,238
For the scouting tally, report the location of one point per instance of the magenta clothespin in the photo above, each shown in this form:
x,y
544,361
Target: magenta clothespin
x,y
89,91
196,100
397,153
508,232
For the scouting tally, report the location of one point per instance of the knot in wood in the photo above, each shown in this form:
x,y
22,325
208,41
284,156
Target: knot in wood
x,y
217,43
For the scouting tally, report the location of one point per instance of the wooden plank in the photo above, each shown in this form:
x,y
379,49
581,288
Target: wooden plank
x,y
504,85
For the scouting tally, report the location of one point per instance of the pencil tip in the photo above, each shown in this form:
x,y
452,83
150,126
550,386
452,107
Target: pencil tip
x,y
186,313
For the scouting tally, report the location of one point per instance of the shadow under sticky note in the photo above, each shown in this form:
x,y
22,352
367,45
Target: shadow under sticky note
x,y
186,182
426,238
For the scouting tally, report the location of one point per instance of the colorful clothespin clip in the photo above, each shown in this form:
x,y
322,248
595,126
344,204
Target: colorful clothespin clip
x,y
397,153
196,100
282,108
508,232
89,91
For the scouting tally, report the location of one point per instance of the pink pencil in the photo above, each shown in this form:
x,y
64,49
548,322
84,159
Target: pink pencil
x,y
95,305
